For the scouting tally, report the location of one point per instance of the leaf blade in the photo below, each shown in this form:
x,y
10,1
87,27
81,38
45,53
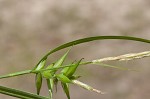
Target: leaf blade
x,y
19,93
38,82
63,78
65,87
50,84
60,61
71,70
89,39
41,64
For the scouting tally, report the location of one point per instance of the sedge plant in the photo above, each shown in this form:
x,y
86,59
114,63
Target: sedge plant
x,y
66,74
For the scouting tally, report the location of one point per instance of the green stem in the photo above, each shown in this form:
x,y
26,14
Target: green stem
x,y
36,71
16,74
29,71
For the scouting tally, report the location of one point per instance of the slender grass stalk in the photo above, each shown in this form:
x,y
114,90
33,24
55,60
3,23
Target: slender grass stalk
x,y
125,57
29,71
16,74
85,86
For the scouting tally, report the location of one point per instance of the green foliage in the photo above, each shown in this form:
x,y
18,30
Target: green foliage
x,y
65,87
47,74
19,93
50,85
66,76
63,78
38,82
41,64
71,70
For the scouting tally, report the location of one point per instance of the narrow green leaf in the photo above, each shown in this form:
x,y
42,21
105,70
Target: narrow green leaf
x,y
38,82
41,64
48,73
19,93
72,69
89,39
60,61
50,84
64,70
63,78
65,87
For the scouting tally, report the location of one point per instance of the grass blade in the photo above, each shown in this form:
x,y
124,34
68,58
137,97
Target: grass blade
x,y
19,93
71,70
65,87
63,78
48,74
41,64
60,61
89,39
50,84
38,82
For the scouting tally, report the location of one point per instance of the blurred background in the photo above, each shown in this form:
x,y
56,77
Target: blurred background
x,y
30,28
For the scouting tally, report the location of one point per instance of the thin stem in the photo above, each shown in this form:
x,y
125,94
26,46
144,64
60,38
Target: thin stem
x,y
124,57
87,87
28,72
16,74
